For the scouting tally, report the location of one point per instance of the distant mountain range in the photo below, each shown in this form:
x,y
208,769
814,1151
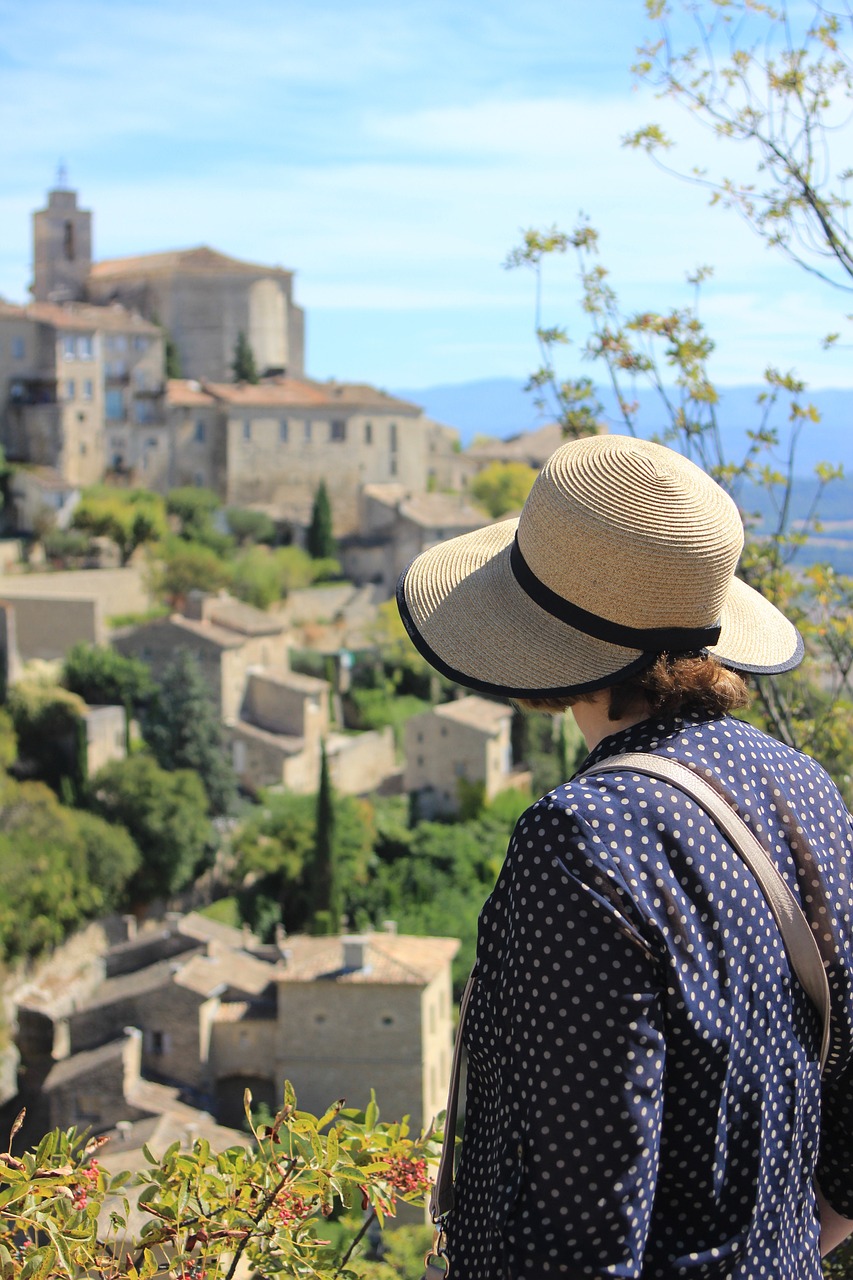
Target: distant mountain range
x,y
501,407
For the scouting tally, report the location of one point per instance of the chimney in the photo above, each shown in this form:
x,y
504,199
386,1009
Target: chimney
x,y
355,953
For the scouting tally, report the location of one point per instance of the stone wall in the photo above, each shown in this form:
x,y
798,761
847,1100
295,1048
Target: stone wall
x,y
328,1050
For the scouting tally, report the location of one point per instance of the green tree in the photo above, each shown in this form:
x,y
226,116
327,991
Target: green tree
x,y
275,851
58,867
129,517
250,526
194,509
172,356
502,487
320,540
166,816
102,676
323,875
243,364
47,721
188,566
183,730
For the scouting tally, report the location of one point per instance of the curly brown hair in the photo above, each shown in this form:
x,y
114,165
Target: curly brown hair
x,y
675,684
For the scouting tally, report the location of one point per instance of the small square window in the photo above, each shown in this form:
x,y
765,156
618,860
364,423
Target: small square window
x,y
307,432
69,349
18,348
85,346
247,430
88,388
282,431
199,432
337,431
69,389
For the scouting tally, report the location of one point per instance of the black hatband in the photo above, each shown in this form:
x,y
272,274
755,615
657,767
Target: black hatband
x,y
649,639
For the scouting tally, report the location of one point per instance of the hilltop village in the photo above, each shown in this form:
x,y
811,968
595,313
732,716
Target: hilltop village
x,y
178,490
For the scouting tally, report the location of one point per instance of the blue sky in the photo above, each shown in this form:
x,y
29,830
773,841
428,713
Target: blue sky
x,y
390,154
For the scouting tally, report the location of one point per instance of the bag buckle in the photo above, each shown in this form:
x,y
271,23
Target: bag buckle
x,y
436,1261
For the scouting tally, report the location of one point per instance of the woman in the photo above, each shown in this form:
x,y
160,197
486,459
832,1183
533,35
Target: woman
x,y
644,1095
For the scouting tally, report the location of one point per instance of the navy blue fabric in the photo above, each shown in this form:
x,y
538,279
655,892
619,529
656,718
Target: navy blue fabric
x,y
643,1094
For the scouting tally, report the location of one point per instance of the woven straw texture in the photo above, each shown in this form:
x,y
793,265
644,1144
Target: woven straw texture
x,y
627,530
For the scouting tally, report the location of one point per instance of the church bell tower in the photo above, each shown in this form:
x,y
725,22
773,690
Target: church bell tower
x,y
62,246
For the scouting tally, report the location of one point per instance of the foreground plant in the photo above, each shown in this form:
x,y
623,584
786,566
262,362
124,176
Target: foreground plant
x,y
260,1207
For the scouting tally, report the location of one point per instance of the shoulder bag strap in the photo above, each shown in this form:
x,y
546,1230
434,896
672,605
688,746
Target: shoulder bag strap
x,y
796,931
441,1198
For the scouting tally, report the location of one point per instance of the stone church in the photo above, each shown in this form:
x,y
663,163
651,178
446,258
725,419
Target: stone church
x,y
203,298
84,395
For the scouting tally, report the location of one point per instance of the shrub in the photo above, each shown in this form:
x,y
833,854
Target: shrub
x,y
263,1204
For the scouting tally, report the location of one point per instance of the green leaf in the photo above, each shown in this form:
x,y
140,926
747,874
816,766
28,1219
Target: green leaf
x,y
371,1115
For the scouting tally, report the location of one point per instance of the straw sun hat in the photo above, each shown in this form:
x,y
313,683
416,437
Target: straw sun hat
x,y
624,549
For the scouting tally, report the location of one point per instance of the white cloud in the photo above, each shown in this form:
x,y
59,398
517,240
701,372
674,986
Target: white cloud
x,y
343,142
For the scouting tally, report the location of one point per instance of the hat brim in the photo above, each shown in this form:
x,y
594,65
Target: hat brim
x,y
468,616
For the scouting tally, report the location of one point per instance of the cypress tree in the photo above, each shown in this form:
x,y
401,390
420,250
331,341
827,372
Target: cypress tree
x,y
324,881
320,541
243,365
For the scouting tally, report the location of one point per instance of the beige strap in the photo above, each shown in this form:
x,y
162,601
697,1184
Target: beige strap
x,y
441,1198
796,931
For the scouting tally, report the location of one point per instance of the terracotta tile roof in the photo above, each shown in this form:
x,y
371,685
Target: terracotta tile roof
x,y
203,929
246,619
284,392
219,637
272,393
123,986
479,713
201,259
44,477
224,968
79,315
531,447
443,511
292,680
285,743
82,1064
391,959
187,393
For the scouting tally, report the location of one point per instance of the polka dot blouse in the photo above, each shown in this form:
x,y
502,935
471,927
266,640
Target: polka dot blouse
x,y
643,1094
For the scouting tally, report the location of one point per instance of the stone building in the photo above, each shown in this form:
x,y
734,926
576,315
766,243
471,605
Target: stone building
x,y
269,445
396,524
74,380
458,743
203,298
83,387
193,1012
353,1014
283,725
227,638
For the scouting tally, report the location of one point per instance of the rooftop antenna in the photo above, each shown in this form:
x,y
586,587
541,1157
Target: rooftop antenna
x,y
61,176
